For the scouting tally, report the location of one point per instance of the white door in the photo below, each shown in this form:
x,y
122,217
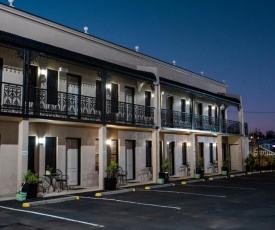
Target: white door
x,y
235,163
73,90
72,161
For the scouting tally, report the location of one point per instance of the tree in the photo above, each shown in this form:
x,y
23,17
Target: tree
x,y
270,135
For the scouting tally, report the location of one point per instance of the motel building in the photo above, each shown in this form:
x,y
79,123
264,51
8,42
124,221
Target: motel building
x,y
74,102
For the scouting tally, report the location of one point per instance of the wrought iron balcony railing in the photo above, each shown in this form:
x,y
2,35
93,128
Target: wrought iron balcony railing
x,y
60,105
175,119
129,114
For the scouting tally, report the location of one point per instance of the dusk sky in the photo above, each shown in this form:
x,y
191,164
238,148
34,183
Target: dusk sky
x,y
229,40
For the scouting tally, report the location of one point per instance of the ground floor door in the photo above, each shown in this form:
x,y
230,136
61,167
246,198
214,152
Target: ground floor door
x,y
130,159
73,160
50,152
31,154
235,163
171,155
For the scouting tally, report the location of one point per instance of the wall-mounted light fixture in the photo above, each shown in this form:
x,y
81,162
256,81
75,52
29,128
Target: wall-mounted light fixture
x,y
214,144
188,144
41,140
162,93
167,142
222,107
108,142
43,73
187,102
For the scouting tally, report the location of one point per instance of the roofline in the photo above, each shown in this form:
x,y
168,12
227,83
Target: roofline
x,y
22,42
110,44
195,90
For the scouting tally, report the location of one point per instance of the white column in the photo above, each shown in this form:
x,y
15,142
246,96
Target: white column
x,y
192,153
219,149
102,132
155,154
23,141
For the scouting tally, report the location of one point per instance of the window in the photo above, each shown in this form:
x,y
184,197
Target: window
x,y
183,109
210,114
184,153
211,152
52,94
147,104
114,98
98,103
148,153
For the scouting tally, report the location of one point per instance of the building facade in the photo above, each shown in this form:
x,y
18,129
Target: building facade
x,y
75,102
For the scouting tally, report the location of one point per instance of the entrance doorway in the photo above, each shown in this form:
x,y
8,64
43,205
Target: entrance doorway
x,y
129,100
171,155
74,90
31,153
130,159
73,160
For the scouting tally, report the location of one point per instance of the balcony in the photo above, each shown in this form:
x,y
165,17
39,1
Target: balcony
x,y
129,114
66,106
175,119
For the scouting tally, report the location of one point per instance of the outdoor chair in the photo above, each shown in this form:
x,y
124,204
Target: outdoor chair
x,y
121,176
61,180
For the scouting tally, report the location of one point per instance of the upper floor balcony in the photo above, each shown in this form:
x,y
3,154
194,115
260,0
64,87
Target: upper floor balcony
x,y
58,105
181,120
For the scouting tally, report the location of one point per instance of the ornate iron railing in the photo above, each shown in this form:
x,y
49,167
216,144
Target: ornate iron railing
x,y
206,123
11,98
175,119
129,114
55,104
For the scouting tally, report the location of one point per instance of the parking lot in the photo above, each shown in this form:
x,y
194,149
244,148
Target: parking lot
x,y
240,202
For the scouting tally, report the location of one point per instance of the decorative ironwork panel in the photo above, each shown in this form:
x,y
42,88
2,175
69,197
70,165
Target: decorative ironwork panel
x,y
175,119
11,98
128,114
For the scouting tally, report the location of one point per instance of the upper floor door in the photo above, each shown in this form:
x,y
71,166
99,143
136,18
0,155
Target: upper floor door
x,y
147,103
74,92
169,110
129,100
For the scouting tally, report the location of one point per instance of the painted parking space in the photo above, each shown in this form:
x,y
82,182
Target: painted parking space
x,y
220,204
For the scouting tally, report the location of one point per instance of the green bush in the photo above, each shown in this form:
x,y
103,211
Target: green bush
x,y
30,178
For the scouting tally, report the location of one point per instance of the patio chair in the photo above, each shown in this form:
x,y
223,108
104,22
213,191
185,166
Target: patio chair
x,y
61,180
121,176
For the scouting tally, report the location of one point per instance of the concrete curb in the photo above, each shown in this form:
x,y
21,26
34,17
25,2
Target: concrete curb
x,y
217,177
192,181
237,174
159,186
98,194
51,201
249,173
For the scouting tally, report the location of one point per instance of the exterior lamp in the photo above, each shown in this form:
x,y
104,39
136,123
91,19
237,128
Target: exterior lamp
x,y
222,107
108,142
40,140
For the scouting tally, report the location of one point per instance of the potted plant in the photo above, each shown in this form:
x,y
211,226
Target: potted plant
x,y
49,170
30,184
250,162
111,179
225,167
200,168
164,170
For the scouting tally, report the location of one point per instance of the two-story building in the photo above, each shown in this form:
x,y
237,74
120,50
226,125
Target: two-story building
x,y
71,101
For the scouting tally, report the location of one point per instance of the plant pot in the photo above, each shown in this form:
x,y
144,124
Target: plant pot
x,y
197,176
110,183
225,170
200,172
165,176
31,190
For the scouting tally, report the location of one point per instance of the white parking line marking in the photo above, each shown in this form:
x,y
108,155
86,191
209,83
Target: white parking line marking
x,y
188,193
52,216
132,202
219,187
